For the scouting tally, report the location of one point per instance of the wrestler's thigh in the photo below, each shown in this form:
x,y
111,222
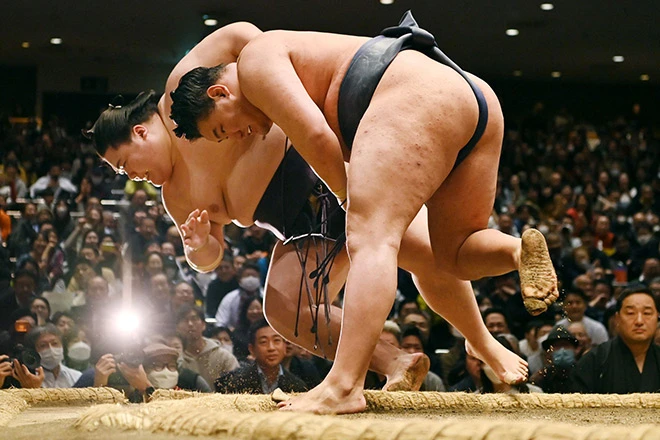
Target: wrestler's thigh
x,y
396,165
464,201
283,282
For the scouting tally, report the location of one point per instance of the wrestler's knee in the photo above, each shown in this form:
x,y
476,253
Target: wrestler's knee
x,y
372,235
448,263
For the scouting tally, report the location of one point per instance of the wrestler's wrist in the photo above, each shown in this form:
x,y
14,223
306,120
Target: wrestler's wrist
x,y
199,248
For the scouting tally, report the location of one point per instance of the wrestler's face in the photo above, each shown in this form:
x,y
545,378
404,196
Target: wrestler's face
x,y
233,116
147,156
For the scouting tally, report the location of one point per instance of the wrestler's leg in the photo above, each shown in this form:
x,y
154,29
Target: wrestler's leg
x,y
404,371
455,301
377,218
458,218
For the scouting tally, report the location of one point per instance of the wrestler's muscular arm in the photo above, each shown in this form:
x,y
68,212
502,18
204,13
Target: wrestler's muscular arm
x,y
222,46
269,81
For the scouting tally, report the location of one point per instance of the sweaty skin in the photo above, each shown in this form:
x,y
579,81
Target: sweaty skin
x,y
292,79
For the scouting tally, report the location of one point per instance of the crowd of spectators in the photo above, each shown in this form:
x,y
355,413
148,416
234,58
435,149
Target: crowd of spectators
x,y
79,245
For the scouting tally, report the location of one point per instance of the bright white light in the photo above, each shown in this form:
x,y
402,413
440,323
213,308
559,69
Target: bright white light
x,y
517,73
55,40
25,44
547,6
512,32
210,22
617,58
556,74
127,322
644,77
386,2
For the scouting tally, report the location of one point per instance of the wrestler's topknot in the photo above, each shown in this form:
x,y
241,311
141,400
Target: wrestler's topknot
x,y
113,127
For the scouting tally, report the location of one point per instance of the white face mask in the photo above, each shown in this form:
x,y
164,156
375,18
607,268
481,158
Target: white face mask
x,y
164,378
250,283
79,351
228,347
51,357
490,374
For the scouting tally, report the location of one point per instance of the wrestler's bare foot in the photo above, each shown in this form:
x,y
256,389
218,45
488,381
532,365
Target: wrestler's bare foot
x,y
538,281
508,366
327,398
409,373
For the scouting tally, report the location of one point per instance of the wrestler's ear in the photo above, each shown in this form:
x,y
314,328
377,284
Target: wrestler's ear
x,y
217,91
140,131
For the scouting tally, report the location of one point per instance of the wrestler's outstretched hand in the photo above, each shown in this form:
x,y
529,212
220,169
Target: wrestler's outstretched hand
x,y
196,230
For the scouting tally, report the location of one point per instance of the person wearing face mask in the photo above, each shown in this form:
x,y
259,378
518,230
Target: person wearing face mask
x,y
47,341
249,283
55,181
558,362
78,351
160,365
62,221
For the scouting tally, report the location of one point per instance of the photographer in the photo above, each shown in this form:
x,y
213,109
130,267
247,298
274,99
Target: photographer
x,y
124,373
47,341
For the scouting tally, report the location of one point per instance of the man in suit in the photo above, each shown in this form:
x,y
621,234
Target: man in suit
x,y
266,374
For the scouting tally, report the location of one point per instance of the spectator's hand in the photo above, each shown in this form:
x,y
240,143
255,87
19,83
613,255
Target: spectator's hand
x,y
5,368
135,376
196,230
600,300
26,378
256,255
103,369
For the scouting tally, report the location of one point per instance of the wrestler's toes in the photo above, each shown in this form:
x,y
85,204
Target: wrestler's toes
x,y
536,306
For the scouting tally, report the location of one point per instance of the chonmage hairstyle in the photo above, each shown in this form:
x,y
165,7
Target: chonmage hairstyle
x,y
113,127
190,103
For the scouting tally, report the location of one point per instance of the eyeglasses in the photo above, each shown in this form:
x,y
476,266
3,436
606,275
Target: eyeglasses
x,y
160,366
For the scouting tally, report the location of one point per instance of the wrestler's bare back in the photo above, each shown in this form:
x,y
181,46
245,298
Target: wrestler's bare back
x,y
321,60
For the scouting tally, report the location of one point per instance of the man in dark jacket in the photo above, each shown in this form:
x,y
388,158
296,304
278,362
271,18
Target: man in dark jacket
x,y
629,363
266,374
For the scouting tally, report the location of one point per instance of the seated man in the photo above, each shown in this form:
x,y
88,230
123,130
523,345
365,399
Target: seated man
x,y
629,363
559,355
575,306
47,341
412,341
160,365
266,374
325,93
202,355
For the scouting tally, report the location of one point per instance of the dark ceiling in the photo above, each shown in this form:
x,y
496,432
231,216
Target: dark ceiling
x,y
578,38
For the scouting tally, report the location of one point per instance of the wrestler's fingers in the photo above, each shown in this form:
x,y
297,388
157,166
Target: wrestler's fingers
x,y
204,217
185,230
192,215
